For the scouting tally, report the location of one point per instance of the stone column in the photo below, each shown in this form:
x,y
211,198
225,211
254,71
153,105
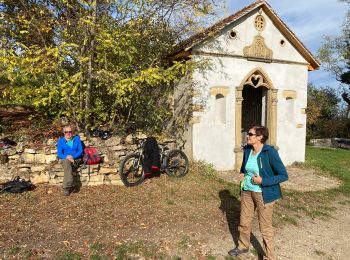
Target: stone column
x,y
273,122
238,128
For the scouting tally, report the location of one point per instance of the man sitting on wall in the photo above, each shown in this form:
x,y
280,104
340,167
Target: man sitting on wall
x,y
69,151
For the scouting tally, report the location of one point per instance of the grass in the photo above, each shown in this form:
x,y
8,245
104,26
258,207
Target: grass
x,y
336,162
136,250
201,198
287,218
318,204
186,242
320,253
344,202
14,250
97,251
205,169
68,255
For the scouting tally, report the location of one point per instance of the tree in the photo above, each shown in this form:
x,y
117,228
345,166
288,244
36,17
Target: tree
x,y
323,113
335,56
95,61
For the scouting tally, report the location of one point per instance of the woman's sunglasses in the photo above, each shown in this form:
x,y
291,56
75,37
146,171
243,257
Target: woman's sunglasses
x,y
250,134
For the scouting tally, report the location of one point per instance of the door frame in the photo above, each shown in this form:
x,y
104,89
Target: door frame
x,y
255,78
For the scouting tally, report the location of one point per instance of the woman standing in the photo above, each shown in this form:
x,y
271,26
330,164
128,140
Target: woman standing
x,y
261,173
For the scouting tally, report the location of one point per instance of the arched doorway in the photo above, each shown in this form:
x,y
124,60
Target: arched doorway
x,y
256,104
254,108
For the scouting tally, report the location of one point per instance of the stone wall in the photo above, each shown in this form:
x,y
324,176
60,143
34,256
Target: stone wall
x,y
331,142
325,142
41,166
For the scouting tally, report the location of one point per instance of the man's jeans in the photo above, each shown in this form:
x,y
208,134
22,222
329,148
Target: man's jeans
x,y
249,202
70,172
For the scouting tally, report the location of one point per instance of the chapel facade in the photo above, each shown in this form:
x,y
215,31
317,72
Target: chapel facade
x,y
253,70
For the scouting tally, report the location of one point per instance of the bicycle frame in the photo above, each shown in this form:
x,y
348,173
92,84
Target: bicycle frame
x,y
171,161
139,150
163,156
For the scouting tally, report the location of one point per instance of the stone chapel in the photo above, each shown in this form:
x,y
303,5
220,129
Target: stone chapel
x,y
254,70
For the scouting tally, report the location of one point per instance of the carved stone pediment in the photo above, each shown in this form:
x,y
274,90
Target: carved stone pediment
x,y
258,49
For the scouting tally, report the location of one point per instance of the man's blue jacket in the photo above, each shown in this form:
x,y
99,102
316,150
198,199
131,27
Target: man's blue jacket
x,y
271,170
63,150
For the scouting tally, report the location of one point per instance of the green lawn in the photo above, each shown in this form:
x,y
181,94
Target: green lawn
x,y
336,162
317,204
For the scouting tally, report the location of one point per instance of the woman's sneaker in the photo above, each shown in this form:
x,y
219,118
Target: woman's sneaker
x,y
236,251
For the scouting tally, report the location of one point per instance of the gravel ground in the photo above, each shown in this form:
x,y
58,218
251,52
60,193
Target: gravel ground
x,y
317,239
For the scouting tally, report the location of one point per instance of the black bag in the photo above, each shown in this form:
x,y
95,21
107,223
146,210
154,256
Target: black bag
x,y
151,162
17,185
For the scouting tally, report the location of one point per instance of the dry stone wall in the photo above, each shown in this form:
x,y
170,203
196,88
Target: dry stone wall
x,y
41,166
331,142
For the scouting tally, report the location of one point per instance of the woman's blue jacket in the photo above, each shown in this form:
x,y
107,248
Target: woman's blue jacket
x,y
271,170
63,150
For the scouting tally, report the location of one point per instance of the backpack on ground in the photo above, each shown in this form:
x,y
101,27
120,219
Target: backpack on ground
x,y
91,156
17,185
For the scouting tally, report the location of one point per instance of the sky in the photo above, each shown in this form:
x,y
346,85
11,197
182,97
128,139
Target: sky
x,y
310,20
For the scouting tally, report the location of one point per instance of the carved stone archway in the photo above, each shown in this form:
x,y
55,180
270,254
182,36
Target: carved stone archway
x,y
256,78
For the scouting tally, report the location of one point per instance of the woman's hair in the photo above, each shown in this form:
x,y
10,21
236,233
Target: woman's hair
x,y
261,131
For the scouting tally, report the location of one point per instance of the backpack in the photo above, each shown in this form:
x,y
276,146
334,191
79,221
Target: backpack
x,y
91,156
17,185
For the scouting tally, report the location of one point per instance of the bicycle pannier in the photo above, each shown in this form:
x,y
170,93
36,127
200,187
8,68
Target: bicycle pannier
x,y
91,156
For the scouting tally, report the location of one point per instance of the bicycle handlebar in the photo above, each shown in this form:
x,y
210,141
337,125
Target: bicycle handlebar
x,y
140,142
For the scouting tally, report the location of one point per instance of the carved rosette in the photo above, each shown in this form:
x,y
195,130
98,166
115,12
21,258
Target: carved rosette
x,y
258,49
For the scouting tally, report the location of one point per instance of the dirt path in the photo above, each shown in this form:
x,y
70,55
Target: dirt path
x,y
317,239
312,238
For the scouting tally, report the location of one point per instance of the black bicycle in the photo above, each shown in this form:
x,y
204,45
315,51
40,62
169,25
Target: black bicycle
x,y
173,161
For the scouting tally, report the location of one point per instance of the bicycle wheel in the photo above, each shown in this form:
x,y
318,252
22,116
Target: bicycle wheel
x,y
176,163
130,170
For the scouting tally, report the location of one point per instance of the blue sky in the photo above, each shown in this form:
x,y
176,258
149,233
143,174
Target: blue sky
x,y
310,20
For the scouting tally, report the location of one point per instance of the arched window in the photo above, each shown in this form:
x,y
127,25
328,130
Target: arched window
x,y
290,96
290,114
220,109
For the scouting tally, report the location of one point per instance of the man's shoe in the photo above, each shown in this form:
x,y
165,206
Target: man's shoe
x,y
66,191
236,251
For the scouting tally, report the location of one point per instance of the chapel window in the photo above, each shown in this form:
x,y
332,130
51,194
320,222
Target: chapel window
x,y
232,34
259,22
290,109
282,43
220,109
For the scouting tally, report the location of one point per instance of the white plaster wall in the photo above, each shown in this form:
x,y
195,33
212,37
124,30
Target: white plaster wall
x,y
215,143
244,27
290,138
